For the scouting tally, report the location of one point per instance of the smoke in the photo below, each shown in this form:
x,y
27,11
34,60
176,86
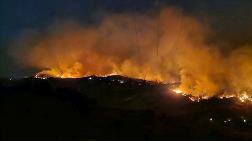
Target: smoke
x,y
169,46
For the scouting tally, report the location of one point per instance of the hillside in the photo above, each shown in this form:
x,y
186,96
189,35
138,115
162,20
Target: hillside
x,y
115,108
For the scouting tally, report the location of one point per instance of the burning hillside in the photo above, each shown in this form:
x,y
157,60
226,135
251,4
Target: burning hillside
x,y
168,47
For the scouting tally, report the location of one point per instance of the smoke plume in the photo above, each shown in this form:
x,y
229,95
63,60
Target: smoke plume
x,y
169,46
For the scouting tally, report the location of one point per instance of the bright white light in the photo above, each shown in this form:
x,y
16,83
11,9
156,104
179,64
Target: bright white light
x,y
205,97
192,99
211,119
177,91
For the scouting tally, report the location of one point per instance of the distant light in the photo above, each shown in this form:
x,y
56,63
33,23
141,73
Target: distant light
x,y
225,121
121,81
211,119
244,120
10,78
229,119
90,78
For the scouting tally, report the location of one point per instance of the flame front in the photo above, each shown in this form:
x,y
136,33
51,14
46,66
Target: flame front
x,y
244,97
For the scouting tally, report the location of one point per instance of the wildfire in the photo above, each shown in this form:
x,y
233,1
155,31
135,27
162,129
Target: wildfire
x,y
58,74
134,46
54,73
177,91
243,97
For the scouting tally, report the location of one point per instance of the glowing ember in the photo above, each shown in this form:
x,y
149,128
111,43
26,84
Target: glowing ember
x,y
227,96
177,91
192,99
180,92
244,97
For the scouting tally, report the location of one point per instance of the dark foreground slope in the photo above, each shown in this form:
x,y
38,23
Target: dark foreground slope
x,y
114,108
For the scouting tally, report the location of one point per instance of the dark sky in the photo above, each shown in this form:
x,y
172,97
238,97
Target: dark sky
x,y
230,19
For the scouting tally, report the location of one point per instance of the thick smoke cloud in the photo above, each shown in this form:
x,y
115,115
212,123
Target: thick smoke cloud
x,y
169,46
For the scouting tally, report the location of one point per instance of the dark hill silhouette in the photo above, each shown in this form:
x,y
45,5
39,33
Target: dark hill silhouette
x,y
114,108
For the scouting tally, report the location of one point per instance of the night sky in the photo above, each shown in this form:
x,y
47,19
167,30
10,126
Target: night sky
x,y
230,19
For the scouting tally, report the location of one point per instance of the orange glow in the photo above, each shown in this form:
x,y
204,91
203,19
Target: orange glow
x,y
166,47
244,97
177,91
